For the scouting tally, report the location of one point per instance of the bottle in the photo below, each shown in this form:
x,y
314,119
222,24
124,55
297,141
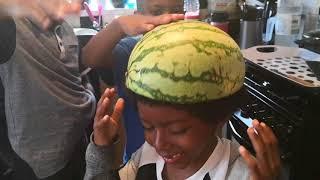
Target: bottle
x,y
192,9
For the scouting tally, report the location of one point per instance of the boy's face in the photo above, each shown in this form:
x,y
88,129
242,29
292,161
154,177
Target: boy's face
x,y
184,141
158,7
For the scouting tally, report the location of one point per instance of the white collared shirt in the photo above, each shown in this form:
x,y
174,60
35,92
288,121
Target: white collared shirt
x,y
216,165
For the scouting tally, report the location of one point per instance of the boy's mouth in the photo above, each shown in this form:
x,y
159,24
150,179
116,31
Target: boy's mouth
x,y
172,158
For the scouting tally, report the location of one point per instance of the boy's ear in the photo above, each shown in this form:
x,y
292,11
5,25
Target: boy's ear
x,y
221,123
220,131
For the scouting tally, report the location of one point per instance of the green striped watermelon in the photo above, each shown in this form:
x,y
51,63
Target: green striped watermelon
x,y
185,62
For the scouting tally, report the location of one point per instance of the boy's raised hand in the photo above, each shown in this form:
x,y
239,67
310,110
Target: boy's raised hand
x,y
139,24
266,164
106,123
42,12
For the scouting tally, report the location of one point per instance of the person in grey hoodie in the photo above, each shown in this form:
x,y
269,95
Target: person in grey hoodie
x,y
47,103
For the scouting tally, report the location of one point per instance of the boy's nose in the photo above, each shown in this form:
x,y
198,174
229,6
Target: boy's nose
x,y
161,141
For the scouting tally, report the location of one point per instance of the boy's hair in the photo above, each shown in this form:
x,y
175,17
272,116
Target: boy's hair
x,y
213,111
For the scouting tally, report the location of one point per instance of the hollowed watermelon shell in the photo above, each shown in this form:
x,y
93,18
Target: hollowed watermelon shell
x,y
185,62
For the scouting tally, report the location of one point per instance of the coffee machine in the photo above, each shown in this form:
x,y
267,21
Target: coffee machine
x,y
253,25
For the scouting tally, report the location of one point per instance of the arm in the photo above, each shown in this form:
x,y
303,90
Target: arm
x,y
266,165
7,39
98,51
99,161
100,166
100,158
44,13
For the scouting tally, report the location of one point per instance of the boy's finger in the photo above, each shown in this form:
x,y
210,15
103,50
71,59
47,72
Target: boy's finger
x,y
269,133
72,8
39,17
104,120
111,93
101,109
250,161
261,151
273,145
105,107
158,20
103,96
51,8
67,9
108,93
176,17
147,27
270,143
265,139
118,109
58,9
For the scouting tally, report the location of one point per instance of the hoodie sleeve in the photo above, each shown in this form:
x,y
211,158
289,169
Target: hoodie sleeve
x,y
100,162
7,39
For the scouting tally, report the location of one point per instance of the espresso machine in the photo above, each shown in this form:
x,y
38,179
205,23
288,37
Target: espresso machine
x,y
253,24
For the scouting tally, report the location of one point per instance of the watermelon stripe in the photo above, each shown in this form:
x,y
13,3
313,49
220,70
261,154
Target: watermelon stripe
x,y
158,34
198,44
205,77
157,94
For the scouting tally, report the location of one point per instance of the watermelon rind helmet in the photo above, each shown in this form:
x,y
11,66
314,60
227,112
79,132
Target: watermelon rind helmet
x,y
185,62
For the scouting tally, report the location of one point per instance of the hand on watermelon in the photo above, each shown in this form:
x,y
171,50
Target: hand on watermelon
x,y
107,123
266,164
140,24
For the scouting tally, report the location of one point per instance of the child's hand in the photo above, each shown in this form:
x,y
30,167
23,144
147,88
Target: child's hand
x,y
41,12
106,125
139,24
266,165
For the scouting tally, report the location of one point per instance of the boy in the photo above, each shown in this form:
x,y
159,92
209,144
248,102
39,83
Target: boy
x,y
186,80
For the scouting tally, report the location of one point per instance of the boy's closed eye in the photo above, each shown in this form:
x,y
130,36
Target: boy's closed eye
x,y
177,10
160,11
172,130
178,129
157,12
147,127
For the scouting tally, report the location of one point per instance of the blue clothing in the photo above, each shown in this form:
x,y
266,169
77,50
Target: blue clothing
x,y
134,129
